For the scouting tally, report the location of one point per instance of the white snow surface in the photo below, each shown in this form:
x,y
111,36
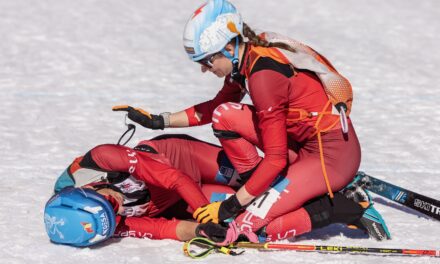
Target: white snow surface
x,y
64,64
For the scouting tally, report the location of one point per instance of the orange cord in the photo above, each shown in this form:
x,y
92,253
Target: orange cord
x,y
321,151
302,114
324,170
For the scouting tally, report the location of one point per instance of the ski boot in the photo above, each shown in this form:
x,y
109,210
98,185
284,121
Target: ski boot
x,y
371,221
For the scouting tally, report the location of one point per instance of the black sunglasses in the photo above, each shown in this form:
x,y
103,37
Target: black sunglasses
x,y
207,61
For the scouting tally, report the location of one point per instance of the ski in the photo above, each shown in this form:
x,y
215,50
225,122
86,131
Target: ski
x,y
413,200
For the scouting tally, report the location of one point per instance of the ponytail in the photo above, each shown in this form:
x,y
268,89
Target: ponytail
x,y
256,40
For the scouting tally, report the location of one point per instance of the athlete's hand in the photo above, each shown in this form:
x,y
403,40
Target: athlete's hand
x,y
207,213
217,233
224,235
218,211
142,117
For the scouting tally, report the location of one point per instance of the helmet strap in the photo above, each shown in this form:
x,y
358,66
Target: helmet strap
x,y
233,59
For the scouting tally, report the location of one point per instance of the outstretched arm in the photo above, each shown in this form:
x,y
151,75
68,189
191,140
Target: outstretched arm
x,y
161,228
155,228
196,115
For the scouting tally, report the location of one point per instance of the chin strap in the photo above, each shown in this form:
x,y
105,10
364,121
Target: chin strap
x,y
233,59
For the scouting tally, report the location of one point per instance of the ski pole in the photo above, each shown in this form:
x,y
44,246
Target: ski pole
x,y
201,247
339,249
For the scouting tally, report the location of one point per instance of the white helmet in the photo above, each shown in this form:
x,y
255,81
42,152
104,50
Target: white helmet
x,y
210,28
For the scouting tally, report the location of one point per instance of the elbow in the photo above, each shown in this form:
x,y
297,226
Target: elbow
x,y
277,160
280,163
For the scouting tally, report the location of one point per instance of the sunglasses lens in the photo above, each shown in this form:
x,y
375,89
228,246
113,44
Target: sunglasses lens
x,y
205,62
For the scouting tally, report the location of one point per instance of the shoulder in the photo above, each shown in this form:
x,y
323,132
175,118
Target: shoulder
x,y
268,63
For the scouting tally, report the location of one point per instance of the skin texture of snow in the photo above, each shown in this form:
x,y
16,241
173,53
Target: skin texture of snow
x,y
64,64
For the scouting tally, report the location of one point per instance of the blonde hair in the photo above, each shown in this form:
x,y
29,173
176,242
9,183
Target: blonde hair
x,y
256,40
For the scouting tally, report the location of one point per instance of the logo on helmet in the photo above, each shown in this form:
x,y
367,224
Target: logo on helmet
x,y
87,227
104,223
189,50
198,11
231,26
52,225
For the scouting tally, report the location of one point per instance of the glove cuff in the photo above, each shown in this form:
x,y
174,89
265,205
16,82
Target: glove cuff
x,y
229,208
166,119
199,231
214,232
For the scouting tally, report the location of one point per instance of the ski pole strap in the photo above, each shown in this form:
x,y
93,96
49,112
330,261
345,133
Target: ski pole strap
x,y
130,127
198,248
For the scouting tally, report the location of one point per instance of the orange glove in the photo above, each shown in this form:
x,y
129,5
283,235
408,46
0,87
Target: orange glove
x,y
207,213
142,117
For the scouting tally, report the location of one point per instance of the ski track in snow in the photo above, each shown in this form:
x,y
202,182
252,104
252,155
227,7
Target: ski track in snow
x,y
64,64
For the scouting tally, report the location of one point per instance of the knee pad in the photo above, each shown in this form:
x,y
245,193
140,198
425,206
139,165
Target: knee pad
x,y
227,114
223,119
146,148
324,211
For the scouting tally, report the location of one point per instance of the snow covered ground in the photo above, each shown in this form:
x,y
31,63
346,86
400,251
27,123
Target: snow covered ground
x,y
64,64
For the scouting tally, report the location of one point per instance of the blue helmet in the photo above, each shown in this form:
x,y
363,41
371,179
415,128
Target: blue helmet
x,y
210,28
79,217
